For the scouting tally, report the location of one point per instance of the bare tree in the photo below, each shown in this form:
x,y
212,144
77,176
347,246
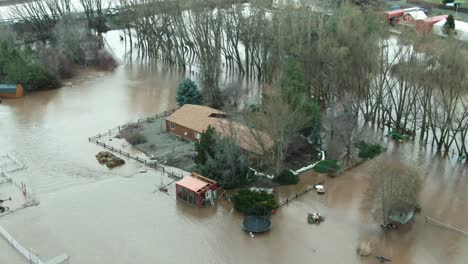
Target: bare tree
x,y
393,190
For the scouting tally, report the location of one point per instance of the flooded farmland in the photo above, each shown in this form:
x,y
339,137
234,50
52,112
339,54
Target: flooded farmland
x,y
97,215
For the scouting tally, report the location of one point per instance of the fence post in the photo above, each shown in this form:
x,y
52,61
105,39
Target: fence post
x,y
119,128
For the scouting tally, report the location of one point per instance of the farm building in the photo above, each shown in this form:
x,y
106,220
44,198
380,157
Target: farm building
x,y
461,29
407,16
393,15
11,90
425,25
196,189
410,18
190,121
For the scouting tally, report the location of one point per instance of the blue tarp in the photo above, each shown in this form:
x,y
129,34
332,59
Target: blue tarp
x,y
7,88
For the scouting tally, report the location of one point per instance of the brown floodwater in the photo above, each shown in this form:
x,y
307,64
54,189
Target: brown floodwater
x,y
103,216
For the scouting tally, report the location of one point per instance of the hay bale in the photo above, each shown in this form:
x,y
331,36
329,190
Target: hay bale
x,y
109,159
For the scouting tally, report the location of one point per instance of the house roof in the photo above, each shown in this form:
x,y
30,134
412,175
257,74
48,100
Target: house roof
x,y
7,88
198,118
394,13
417,15
247,138
435,19
195,117
195,182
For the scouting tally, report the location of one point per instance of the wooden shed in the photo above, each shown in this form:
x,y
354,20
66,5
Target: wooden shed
x,y
196,189
11,90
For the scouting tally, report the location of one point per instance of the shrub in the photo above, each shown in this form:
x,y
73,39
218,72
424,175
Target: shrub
x,y
104,61
327,166
254,203
136,138
287,177
368,151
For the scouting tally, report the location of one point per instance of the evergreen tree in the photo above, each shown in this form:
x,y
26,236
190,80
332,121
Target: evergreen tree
x,y
293,84
205,146
187,93
449,25
228,166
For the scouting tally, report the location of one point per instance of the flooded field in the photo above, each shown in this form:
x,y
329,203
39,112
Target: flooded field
x,y
97,215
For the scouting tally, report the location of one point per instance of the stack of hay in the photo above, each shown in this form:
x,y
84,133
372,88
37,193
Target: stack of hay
x,y
111,161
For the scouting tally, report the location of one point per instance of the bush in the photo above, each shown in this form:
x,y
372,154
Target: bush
x,y
368,151
327,166
104,61
136,138
287,177
254,203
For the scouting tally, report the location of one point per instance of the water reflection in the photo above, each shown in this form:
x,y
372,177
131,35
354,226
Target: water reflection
x,y
99,215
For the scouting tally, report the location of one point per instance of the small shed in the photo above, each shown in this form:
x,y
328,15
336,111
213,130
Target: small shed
x,y
394,14
196,189
11,90
411,17
425,25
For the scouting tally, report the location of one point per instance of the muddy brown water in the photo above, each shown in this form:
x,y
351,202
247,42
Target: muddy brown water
x,y
115,216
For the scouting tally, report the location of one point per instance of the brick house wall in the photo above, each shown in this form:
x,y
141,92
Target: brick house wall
x,y
181,130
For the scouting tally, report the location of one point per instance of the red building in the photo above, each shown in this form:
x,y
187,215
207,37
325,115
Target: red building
x,y
196,189
425,25
392,15
407,16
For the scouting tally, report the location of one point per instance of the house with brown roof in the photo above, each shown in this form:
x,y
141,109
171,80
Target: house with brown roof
x,y
190,121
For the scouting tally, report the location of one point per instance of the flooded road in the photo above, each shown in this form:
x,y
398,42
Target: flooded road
x,y
103,216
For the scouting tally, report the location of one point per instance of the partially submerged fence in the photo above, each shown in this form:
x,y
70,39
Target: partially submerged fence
x,y
144,161
31,256
139,121
295,196
445,226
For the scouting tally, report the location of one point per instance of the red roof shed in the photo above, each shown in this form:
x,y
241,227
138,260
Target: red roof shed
x,y
393,14
193,189
425,25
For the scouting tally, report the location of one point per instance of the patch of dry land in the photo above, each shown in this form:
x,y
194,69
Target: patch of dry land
x,y
152,139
